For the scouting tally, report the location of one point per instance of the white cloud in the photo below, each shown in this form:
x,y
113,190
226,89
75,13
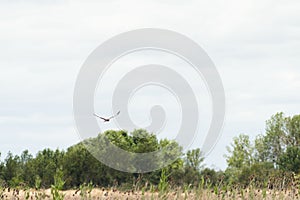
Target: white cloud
x,y
254,44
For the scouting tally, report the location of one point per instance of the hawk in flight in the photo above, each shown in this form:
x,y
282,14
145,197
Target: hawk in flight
x,y
107,119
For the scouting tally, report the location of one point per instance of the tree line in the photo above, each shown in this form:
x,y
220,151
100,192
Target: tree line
x,y
77,165
272,156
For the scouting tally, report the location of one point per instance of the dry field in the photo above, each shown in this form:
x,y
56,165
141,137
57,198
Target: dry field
x,y
14,194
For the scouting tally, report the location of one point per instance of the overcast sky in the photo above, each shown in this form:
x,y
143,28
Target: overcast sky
x,y
255,46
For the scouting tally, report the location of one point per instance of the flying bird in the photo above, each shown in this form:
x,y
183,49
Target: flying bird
x,y
107,119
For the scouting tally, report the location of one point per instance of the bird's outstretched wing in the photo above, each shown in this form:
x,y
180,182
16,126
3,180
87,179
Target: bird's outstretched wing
x,y
115,115
100,117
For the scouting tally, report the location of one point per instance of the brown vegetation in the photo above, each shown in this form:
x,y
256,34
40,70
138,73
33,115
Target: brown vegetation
x,y
178,193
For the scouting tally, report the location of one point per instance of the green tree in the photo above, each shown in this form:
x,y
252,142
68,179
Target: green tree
x,y
240,152
80,166
2,169
239,158
293,130
12,170
290,159
192,167
194,159
261,149
275,139
45,164
280,144
171,153
27,171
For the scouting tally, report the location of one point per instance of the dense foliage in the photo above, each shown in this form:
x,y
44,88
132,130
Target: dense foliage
x,y
272,156
79,166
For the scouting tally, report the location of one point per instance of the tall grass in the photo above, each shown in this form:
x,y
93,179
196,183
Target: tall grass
x,y
284,188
